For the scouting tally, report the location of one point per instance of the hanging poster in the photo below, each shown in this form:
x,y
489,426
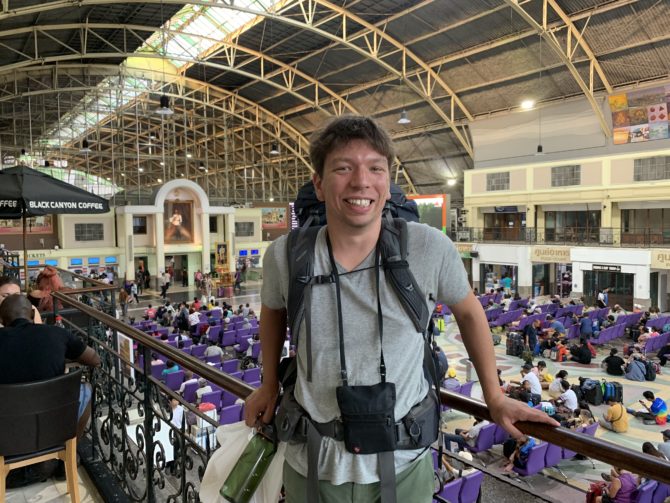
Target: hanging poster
x,y
178,222
274,218
640,116
34,225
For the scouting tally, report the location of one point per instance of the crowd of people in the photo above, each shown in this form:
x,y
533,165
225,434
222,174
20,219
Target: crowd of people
x,y
564,400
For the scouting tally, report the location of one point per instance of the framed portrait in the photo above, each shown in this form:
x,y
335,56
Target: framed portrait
x,y
222,254
178,216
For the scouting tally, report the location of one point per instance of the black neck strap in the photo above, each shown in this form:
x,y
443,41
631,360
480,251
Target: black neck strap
x,y
380,320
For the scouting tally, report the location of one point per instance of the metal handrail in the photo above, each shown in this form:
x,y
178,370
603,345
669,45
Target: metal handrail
x,y
589,446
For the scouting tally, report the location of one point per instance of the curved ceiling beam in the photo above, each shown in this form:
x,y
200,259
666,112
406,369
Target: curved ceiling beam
x,y
229,52
232,103
369,45
466,53
574,40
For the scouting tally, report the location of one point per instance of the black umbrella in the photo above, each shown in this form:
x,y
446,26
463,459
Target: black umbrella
x,y
25,192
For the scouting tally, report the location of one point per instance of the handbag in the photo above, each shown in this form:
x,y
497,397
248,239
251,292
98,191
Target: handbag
x,y
232,440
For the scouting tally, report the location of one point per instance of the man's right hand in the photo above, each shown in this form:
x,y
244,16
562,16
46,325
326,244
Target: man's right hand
x,y
260,405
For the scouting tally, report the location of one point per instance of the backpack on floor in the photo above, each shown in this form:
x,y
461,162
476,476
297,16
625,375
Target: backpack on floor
x,y
593,391
612,390
649,371
514,344
496,339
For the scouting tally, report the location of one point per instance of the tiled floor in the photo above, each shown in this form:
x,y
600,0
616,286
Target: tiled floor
x,y
53,491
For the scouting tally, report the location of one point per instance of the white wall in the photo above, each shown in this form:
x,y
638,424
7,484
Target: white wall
x,y
505,255
631,261
66,230
570,130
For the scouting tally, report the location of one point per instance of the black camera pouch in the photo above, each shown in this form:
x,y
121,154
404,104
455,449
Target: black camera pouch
x,y
422,422
368,417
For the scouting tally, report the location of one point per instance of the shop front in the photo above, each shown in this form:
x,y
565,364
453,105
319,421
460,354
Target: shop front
x,y
465,250
620,286
659,283
493,276
552,271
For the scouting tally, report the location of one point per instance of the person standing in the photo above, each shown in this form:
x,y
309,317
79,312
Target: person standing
x,y
123,302
352,158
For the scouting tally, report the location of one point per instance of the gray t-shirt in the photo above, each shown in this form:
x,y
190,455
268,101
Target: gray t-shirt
x,y
438,270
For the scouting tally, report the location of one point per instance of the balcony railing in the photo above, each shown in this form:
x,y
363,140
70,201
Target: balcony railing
x,y
132,430
569,236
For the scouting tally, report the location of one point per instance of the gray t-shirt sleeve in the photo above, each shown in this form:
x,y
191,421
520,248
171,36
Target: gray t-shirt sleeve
x,y
440,259
274,275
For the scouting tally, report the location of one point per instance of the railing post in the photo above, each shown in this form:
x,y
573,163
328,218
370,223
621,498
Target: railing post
x,y
148,426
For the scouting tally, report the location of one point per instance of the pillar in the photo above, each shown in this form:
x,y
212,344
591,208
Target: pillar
x,y
206,253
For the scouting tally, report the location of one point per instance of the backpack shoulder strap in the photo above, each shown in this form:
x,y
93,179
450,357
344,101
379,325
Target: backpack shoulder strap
x,y
300,255
394,256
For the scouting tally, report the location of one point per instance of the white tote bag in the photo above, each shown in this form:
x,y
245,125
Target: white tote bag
x,y
232,440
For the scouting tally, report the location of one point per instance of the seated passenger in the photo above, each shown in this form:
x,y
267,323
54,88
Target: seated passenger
x,y
170,367
545,377
635,370
213,350
615,418
614,364
621,488
555,389
581,353
34,352
655,413
519,457
451,383
568,400
463,437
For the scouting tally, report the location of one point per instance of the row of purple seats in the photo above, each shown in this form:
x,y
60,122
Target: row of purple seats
x,y
572,332
629,320
658,323
570,310
506,318
655,343
529,319
492,314
461,490
516,304
599,313
609,333
547,455
465,390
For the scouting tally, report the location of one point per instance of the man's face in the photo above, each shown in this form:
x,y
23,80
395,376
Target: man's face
x,y
7,290
354,186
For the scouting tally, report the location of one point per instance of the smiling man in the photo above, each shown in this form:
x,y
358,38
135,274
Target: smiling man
x,y
362,339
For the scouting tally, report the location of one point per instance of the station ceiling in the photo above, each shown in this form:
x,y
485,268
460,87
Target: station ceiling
x,y
250,80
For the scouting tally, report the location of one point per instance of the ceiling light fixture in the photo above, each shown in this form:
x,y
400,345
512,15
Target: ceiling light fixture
x,y
527,104
141,170
271,199
274,149
164,108
404,118
202,167
188,156
159,180
162,163
85,149
451,182
540,150
182,174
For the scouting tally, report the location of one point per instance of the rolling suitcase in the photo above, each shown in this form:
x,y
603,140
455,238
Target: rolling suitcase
x,y
514,344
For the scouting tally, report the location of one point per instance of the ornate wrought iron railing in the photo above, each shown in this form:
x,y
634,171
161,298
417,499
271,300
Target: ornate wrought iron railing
x,y
134,436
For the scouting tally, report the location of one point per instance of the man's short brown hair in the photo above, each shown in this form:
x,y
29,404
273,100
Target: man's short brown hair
x,y
341,131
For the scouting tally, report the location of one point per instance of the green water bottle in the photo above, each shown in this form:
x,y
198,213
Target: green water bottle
x,y
249,470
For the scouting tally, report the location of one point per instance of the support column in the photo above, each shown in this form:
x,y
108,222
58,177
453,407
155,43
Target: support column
x,y
129,245
159,226
206,253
